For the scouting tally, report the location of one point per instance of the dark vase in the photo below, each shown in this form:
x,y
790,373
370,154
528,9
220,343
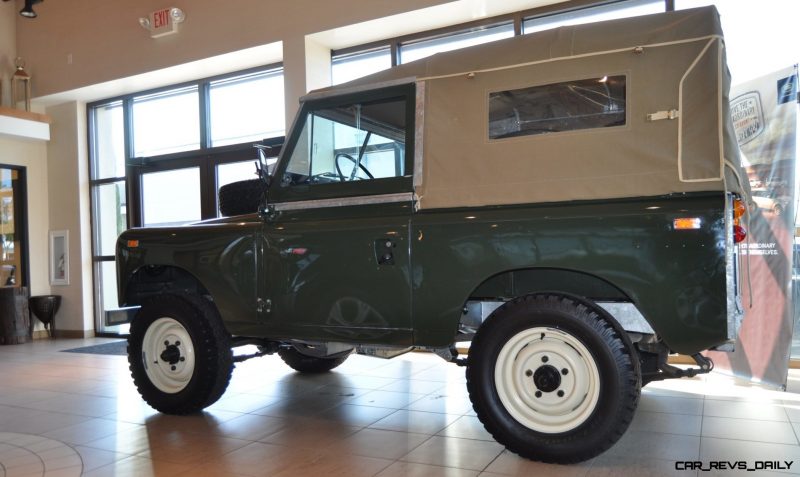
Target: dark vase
x,y
45,308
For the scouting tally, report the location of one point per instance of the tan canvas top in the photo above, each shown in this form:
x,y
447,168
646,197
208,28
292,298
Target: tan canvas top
x,y
675,134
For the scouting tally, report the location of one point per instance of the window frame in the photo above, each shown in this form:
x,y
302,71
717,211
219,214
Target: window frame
x,y
280,192
206,157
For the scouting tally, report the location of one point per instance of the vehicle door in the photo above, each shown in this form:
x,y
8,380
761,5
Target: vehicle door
x,y
335,243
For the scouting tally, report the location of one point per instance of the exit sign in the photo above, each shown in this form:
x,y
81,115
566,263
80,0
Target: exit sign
x,y
161,23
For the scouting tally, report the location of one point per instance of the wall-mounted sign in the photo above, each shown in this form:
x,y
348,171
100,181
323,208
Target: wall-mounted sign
x,y
163,22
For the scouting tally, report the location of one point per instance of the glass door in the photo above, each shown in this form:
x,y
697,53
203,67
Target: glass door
x,y
13,240
110,215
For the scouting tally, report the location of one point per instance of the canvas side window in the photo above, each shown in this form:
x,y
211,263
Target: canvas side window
x,y
567,106
353,142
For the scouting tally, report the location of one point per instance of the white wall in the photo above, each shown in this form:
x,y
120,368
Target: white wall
x,y
68,185
8,48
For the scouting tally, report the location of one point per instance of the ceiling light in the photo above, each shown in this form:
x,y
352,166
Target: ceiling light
x,y
177,15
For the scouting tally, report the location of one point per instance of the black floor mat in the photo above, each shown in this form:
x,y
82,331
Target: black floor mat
x,y
116,348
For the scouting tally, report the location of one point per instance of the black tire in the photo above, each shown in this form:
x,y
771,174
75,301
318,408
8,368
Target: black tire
x,y
176,381
309,364
242,197
597,402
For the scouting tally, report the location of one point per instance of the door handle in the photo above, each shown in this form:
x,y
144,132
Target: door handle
x,y
384,251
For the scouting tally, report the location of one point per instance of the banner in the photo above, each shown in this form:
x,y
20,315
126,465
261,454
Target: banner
x,y
764,113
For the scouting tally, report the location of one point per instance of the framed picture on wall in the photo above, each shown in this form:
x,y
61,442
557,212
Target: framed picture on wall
x,y
59,257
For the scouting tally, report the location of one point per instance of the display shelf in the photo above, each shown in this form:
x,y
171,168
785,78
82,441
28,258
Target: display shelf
x,y
20,114
20,124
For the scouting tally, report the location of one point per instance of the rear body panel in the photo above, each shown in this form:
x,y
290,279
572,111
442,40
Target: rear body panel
x,y
677,279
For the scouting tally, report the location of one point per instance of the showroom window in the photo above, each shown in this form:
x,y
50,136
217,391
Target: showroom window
x,y
593,14
415,50
346,67
353,63
176,111
357,61
171,197
158,158
109,199
241,107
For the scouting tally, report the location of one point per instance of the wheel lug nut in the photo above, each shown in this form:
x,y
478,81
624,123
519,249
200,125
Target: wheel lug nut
x,y
529,373
538,394
173,368
545,359
166,343
177,343
560,393
182,359
565,371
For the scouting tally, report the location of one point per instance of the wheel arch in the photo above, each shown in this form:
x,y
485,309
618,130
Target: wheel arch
x,y
524,281
582,286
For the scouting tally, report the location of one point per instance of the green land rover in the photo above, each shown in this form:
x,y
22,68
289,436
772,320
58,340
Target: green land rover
x,y
568,202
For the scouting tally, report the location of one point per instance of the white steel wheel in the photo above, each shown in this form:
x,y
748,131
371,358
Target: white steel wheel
x,y
552,378
179,353
168,355
547,380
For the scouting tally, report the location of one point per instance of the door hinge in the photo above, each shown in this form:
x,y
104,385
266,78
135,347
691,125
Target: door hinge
x,y
268,212
263,306
659,115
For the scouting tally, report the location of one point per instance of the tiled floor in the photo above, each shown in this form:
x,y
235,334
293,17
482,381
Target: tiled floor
x,y
65,414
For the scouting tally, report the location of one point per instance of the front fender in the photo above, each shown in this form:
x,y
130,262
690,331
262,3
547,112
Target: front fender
x,y
221,258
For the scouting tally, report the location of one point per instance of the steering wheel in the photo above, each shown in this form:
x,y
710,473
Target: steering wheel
x,y
356,164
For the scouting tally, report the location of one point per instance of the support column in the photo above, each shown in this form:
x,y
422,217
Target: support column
x,y
306,66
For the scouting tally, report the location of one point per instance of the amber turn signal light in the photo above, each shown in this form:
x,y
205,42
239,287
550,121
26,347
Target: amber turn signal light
x,y
738,210
687,223
133,243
